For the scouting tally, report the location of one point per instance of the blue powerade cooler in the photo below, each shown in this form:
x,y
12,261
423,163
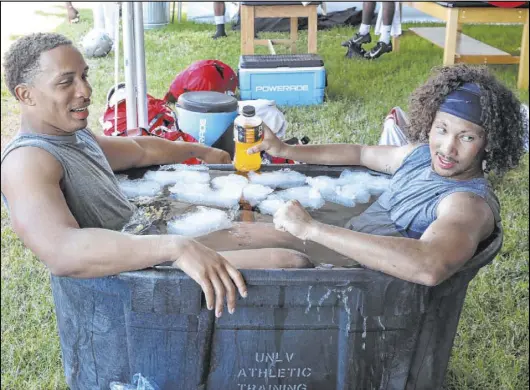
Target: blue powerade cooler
x,y
206,115
291,79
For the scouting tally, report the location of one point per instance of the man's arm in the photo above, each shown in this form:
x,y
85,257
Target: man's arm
x,y
379,158
41,218
134,152
464,220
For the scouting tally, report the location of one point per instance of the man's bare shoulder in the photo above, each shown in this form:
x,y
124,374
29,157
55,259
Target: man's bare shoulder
x,y
463,201
470,209
30,164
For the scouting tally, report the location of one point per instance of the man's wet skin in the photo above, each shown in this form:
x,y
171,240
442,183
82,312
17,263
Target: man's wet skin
x,y
256,235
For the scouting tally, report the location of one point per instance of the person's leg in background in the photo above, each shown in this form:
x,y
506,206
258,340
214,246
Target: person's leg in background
x,y
384,45
110,16
219,12
363,36
395,128
73,14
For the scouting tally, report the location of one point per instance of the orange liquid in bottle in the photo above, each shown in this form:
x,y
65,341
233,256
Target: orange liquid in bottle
x,y
248,132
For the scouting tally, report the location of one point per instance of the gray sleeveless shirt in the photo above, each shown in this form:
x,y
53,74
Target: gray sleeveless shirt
x,y
89,186
409,206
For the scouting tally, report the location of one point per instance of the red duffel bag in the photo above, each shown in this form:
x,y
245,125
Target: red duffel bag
x,y
162,121
204,75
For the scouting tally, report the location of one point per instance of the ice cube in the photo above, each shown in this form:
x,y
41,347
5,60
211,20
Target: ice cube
x,y
358,192
284,178
201,194
198,223
229,180
307,196
191,188
270,205
136,188
376,185
322,182
331,195
255,193
172,177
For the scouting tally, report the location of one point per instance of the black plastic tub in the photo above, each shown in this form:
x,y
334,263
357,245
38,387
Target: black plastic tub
x,y
305,329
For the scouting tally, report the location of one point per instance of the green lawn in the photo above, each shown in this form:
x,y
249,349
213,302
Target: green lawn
x,y
491,347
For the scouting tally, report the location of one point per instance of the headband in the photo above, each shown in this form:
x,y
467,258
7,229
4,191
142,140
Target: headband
x,y
464,103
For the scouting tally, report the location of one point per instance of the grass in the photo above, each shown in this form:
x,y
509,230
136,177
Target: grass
x,y
491,347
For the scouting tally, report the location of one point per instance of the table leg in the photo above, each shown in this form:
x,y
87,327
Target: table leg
x,y
294,34
312,26
395,43
451,32
247,29
395,39
522,80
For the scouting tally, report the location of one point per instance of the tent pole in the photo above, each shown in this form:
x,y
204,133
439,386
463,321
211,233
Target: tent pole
x,y
116,65
129,64
140,65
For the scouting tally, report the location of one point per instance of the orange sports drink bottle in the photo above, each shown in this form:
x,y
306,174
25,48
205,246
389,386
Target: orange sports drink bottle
x,y
248,132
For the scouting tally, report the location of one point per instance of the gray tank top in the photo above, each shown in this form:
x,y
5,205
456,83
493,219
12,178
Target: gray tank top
x,y
409,206
89,186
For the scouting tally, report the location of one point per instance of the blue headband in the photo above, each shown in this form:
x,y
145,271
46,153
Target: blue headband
x,y
464,103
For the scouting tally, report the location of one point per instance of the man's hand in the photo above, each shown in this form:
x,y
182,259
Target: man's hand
x,y
214,274
270,144
216,156
293,218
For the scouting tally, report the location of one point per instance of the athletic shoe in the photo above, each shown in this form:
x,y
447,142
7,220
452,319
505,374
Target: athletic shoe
x,y
358,40
355,51
379,49
218,35
219,32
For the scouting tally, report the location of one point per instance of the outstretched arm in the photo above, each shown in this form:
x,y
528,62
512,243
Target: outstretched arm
x,y
133,152
41,218
464,220
385,159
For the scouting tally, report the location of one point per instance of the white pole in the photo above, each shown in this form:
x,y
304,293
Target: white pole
x,y
116,65
139,48
129,64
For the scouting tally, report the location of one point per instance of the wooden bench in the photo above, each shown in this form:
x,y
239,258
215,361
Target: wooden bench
x,y
293,10
459,47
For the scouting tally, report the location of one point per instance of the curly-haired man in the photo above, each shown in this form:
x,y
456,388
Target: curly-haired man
x,y
439,206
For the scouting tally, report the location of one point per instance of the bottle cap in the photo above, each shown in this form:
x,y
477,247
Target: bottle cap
x,y
249,111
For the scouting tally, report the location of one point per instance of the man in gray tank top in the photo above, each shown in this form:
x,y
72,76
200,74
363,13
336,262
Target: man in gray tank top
x,y
439,206
58,183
